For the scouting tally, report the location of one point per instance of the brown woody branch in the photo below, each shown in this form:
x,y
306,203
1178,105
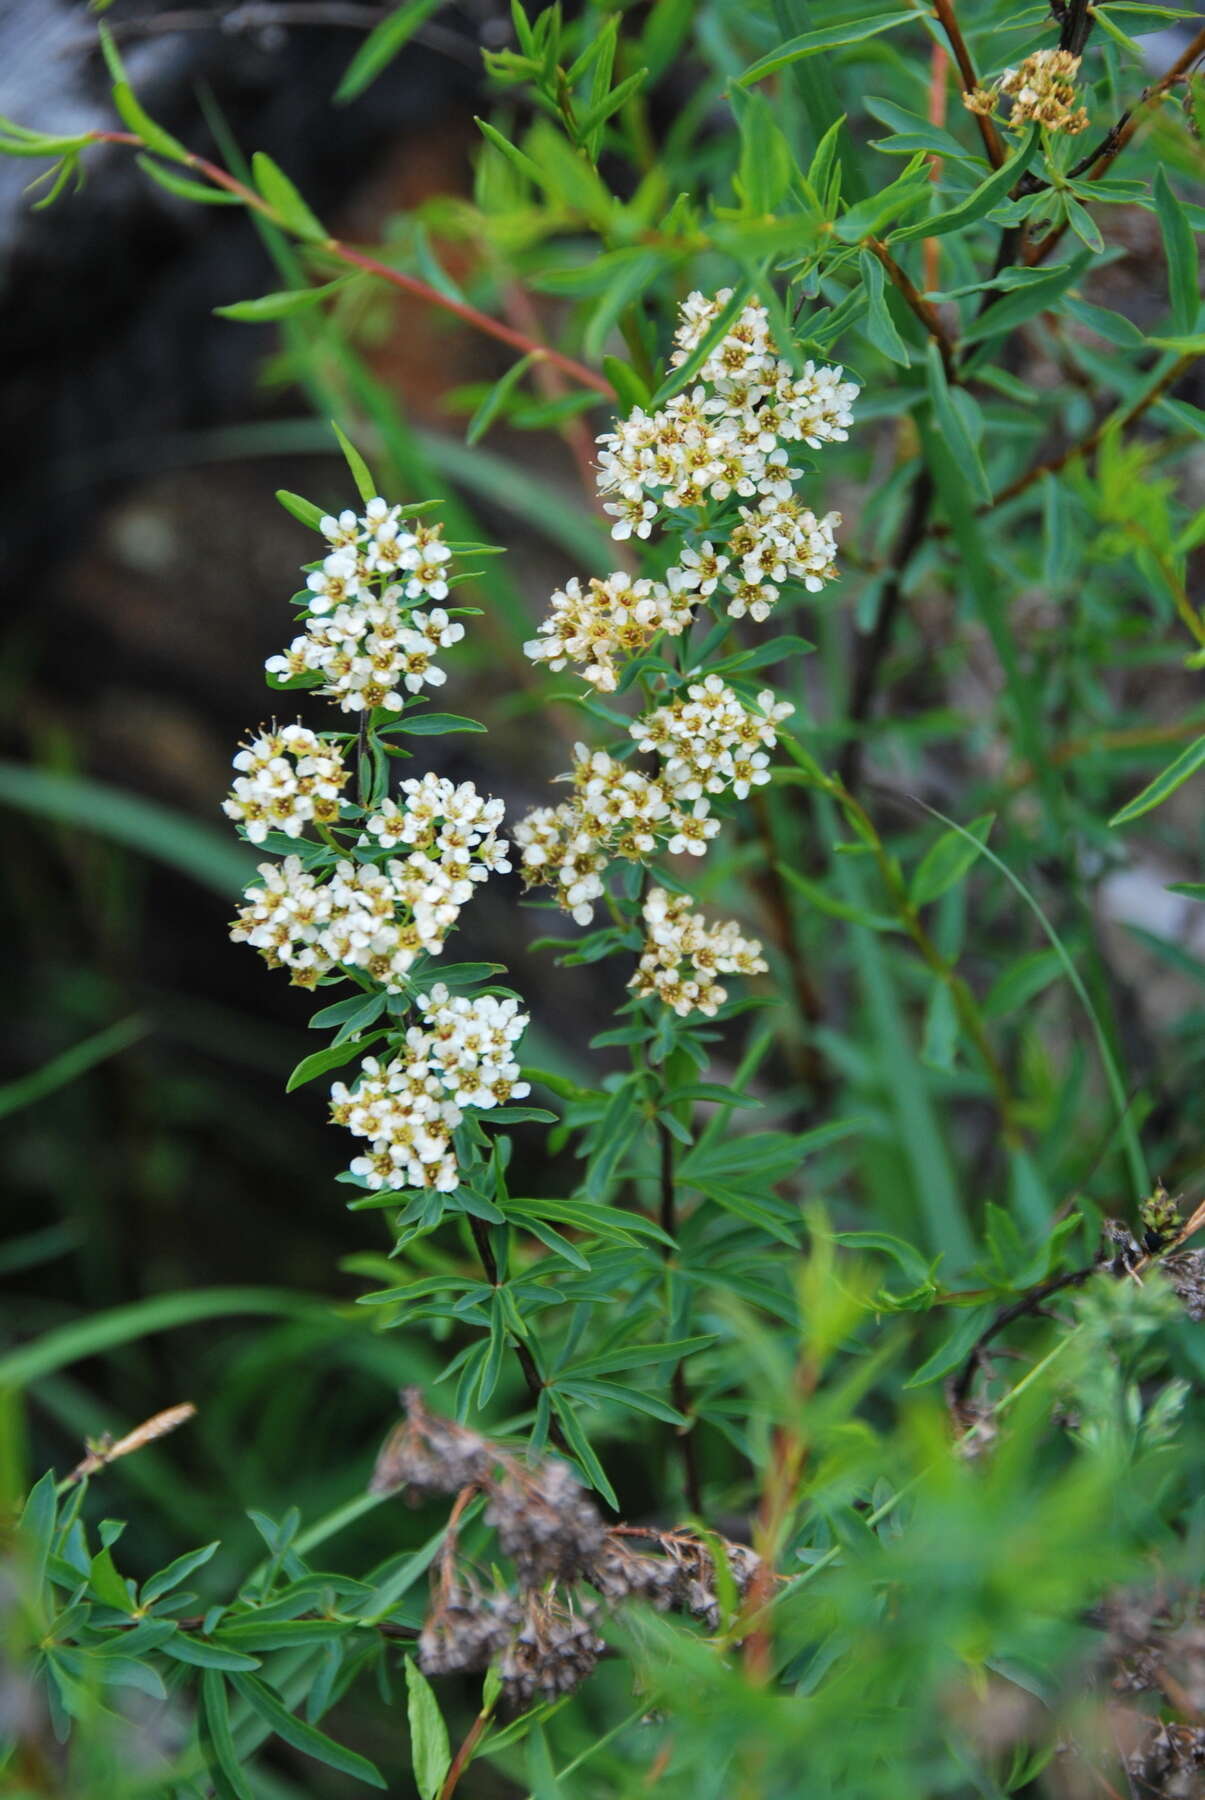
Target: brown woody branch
x,y
992,142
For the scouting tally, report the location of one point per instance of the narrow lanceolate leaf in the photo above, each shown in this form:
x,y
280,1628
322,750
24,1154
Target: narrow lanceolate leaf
x,y
217,1740
382,45
430,1749
880,326
1180,248
815,43
980,203
360,471
197,193
1174,776
281,305
495,401
303,1737
946,862
285,201
951,423
302,510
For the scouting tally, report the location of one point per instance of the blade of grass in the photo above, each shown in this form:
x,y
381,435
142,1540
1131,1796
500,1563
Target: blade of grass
x,y
196,850
1129,1135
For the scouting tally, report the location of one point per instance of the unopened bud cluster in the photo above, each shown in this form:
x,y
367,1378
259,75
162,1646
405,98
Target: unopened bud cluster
x,y
1042,90
540,1636
369,889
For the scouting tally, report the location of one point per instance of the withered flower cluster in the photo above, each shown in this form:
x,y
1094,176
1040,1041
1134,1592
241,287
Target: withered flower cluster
x,y
568,1564
1155,1645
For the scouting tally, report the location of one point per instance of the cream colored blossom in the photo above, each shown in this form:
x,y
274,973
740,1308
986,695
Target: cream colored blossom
x,y
407,1108
379,917
287,778
682,955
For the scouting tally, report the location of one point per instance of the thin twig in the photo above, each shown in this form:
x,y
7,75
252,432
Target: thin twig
x,y
464,1755
1086,445
356,259
1019,1309
992,143
1098,162
924,309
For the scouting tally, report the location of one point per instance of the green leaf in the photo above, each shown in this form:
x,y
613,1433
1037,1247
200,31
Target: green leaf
x,y
152,135
303,1737
217,1739
201,1655
1084,225
286,202
36,1525
511,152
198,192
430,1749
913,132
169,837
1020,983
946,862
496,399
381,46
981,202
880,326
766,166
107,1584
366,487
835,908
618,1126
951,423
70,1064
67,1344
591,1216
1164,785
1023,302
940,1040
540,1772
954,1348
322,1061
814,43
282,305
1180,248
636,1356
579,1443
590,123
303,510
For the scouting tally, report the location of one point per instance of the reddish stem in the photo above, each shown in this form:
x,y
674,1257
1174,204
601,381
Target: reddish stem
x,y
409,284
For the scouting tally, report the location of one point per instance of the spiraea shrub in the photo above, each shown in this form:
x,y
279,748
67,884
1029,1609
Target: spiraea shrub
x,y
805,1362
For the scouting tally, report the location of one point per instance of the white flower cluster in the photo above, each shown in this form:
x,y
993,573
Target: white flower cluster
x,y
674,936
615,811
710,741
615,617
372,917
409,1107
729,434
287,778
777,541
361,633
